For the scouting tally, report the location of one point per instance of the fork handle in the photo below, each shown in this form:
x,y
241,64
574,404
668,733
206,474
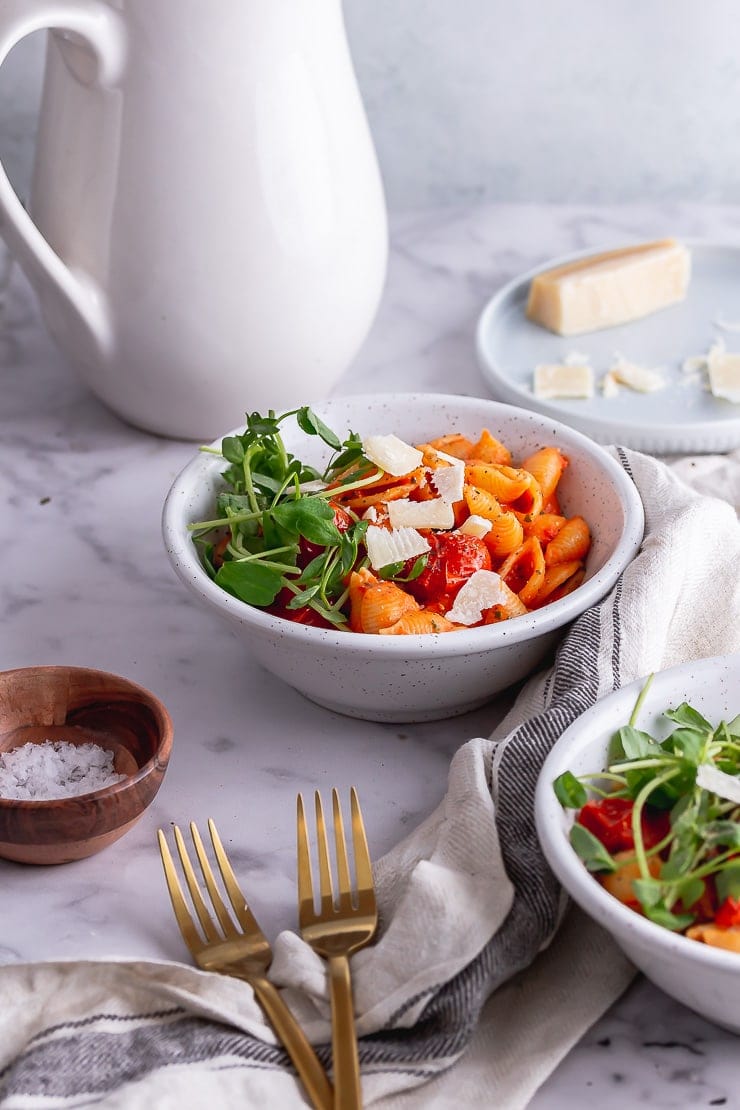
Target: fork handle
x,y
299,1049
347,1090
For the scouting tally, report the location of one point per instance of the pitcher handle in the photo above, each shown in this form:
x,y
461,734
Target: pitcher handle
x,y
102,28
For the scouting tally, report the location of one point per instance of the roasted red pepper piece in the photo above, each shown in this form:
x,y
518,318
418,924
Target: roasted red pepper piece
x,y
610,820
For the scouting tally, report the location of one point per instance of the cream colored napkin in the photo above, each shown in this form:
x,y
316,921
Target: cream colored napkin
x,y
471,968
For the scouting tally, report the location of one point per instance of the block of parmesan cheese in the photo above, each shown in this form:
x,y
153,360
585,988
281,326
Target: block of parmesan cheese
x,y
611,288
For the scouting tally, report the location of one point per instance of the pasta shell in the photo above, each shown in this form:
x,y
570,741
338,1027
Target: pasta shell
x,y
554,578
619,882
489,450
529,504
383,605
481,503
422,622
524,570
506,535
545,526
547,466
715,935
459,446
360,582
572,542
505,483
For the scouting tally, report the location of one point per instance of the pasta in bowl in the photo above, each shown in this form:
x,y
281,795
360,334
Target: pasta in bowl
x,y
342,571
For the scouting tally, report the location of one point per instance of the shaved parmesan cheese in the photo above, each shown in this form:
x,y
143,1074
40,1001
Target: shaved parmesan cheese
x,y
475,526
554,380
391,454
371,514
385,547
639,378
449,481
721,366
482,591
709,777
421,514
724,375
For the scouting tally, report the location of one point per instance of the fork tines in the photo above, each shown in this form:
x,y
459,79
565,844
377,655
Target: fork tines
x,y
184,918
349,898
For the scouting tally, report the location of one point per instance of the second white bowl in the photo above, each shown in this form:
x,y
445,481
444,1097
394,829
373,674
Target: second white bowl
x,y
704,978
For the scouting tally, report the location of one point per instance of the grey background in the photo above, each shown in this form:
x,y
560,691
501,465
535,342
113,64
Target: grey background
x,y
518,100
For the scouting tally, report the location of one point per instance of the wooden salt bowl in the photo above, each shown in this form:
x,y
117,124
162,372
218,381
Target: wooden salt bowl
x,y
79,705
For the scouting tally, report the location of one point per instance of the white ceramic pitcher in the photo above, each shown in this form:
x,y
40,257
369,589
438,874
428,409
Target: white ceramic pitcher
x,y
207,231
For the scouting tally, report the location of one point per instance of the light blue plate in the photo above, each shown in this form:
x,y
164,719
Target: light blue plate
x,y
680,419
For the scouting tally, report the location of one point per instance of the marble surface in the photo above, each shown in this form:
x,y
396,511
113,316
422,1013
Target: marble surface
x,y
84,580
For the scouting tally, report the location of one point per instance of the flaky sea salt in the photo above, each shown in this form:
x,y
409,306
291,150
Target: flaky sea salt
x,y
55,769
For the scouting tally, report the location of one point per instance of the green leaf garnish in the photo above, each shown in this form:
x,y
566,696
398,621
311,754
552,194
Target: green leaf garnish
x,y
310,517
591,850
569,791
313,425
254,582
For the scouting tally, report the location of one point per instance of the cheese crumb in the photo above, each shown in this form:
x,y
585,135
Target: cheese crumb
x,y
475,526
391,454
482,591
609,385
385,547
421,514
563,381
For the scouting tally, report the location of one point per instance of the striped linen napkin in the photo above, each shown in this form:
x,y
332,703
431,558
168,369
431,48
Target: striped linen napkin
x,y
478,984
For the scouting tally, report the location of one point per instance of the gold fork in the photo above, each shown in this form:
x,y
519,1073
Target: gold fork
x,y
243,953
338,929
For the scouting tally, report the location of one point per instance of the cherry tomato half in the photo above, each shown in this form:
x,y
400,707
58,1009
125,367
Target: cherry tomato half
x,y
728,913
452,559
610,820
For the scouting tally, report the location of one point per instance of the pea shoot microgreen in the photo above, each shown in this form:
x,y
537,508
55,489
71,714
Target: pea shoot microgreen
x,y
275,508
703,844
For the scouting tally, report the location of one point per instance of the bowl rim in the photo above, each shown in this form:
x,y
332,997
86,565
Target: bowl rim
x,y
552,822
146,696
184,560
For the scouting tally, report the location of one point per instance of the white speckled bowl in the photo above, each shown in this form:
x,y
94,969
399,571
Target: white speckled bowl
x,y
419,678
704,978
